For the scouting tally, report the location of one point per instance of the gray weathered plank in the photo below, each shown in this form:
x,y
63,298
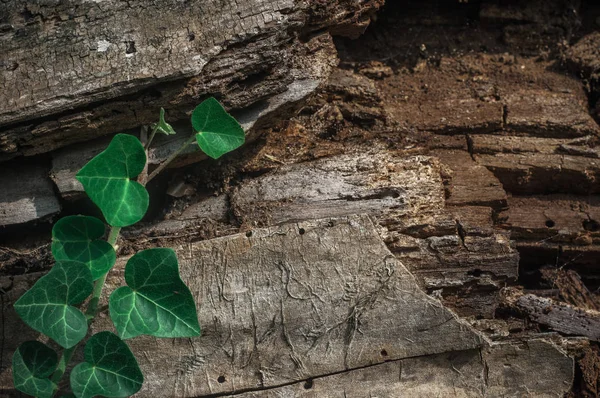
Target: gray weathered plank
x,y
26,193
66,162
76,70
500,370
563,318
285,304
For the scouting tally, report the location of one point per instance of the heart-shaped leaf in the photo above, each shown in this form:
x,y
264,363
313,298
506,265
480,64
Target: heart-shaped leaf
x,y
162,126
107,179
109,370
156,302
33,363
77,238
217,132
48,306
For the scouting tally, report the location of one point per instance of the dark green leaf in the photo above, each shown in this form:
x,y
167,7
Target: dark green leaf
x,y
33,363
110,369
217,132
107,180
162,126
156,302
77,238
48,306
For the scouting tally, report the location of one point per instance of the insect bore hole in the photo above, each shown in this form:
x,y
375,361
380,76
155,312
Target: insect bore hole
x,y
221,379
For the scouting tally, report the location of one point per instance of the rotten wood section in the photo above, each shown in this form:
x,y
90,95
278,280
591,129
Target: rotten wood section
x,y
313,305
561,317
66,162
458,374
27,193
102,68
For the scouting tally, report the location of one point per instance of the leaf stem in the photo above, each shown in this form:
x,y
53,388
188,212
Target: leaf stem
x,y
152,134
92,308
171,158
90,313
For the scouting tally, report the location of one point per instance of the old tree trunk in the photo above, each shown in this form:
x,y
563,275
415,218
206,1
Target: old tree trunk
x,y
416,211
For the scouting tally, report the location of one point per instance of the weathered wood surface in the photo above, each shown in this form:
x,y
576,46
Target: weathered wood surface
x,y
77,70
499,370
307,300
66,162
26,194
563,318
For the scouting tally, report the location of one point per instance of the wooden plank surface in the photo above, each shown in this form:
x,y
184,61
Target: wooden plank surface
x,y
287,303
27,193
303,301
77,70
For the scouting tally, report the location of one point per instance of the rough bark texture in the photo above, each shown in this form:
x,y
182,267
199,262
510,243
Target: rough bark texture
x,y
79,54
305,301
466,131
78,70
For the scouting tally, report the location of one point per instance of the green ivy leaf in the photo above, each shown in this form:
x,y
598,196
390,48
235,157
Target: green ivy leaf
x,y
156,302
107,179
162,126
109,370
217,132
77,238
48,306
33,363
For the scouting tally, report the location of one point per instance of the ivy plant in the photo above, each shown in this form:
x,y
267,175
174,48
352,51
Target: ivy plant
x,y
154,302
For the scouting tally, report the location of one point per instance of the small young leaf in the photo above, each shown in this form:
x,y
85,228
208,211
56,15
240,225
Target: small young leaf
x,y
107,179
217,132
109,370
77,238
162,126
156,302
33,363
48,306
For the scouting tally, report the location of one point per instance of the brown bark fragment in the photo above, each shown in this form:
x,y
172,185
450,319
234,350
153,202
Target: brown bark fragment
x,y
563,318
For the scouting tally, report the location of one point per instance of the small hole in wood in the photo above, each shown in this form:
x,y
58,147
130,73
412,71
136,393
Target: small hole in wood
x,y
384,353
330,224
130,47
249,234
550,223
191,36
221,379
308,385
591,225
301,231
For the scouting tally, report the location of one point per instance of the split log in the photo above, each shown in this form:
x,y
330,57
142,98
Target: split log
x,y
313,305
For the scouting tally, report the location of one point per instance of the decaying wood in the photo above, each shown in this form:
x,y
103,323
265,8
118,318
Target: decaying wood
x,y
558,316
304,301
125,62
571,289
66,162
27,194
471,373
